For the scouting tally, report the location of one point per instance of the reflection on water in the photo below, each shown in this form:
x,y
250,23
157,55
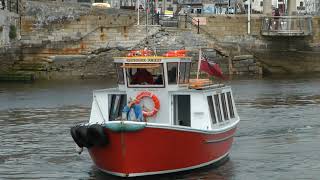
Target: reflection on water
x,y
278,136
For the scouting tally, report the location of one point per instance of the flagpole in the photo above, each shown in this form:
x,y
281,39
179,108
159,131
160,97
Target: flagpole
x,y
199,62
138,12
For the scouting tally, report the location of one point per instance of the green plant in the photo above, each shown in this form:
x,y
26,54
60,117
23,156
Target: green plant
x,y
13,32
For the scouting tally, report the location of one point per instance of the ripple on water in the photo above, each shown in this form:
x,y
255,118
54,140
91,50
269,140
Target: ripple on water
x,y
277,137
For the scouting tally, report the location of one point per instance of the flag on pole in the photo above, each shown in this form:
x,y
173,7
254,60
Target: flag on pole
x,y
211,68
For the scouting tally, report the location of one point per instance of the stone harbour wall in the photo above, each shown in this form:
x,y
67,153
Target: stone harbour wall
x,y
8,19
77,41
316,31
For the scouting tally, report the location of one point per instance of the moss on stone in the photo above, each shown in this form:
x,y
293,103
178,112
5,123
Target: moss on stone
x,y
13,32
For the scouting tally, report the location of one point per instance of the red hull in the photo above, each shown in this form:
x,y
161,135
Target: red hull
x,y
159,150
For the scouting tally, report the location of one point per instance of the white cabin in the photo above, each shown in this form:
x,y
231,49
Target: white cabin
x,y
208,108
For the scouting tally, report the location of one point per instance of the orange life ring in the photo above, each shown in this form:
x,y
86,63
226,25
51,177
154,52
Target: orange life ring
x,y
176,53
154,99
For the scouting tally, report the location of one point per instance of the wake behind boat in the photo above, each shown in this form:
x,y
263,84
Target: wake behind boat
x,y
158,120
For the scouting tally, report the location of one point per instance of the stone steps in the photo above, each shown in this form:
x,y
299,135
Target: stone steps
x,y
31,65
17,76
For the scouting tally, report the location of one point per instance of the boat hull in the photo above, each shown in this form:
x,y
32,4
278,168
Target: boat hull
x,y
158,150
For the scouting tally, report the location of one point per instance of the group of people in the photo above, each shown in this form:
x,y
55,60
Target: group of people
x,y
132,111
143,76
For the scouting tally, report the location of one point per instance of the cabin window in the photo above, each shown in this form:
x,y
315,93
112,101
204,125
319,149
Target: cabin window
x,y
184,73
211,109
172,73
116,105
224,107
181,110
217,104
230,104
145,75
119,70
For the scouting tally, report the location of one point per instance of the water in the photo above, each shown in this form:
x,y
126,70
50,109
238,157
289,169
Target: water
x,y
278,136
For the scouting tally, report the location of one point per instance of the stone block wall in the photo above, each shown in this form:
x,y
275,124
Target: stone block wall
x,y
316,30
226,26
245,65
6,20
91,30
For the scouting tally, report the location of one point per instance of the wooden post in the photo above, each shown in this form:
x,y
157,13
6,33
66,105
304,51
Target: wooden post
x,y
185,20
230,65
198,26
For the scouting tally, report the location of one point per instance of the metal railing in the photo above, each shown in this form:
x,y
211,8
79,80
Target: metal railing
x,y
286,26
10,5
176,20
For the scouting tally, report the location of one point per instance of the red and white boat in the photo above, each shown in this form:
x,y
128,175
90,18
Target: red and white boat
x,y
187,123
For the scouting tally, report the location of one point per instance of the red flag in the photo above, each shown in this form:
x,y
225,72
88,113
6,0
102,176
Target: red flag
x,y
212,69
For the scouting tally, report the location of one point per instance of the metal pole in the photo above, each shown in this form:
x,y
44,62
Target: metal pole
x,y
152,13
146,7
249,17
138,12
198,26
185,22
158,18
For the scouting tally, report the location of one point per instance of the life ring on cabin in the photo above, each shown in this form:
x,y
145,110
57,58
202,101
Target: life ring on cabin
x,y
155,100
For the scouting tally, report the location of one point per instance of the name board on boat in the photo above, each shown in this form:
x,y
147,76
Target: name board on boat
x,y
144,60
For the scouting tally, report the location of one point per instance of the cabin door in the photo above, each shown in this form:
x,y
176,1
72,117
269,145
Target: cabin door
x,y
181,110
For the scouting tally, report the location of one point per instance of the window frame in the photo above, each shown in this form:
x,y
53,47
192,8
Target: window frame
x,y
146,85
212,110
177,72
224,105
118,68
185,74
119,106
230,104
218,107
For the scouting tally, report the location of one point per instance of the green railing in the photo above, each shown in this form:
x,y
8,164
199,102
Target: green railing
x,y
286,26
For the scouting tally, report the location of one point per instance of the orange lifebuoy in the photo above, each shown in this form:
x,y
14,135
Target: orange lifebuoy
x,y
154,99
176,53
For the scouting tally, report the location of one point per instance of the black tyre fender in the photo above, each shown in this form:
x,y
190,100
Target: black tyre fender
x,y
75,137
97,136
82,135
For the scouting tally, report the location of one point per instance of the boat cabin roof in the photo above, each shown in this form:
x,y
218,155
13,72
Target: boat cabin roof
x,y
153,71
150,59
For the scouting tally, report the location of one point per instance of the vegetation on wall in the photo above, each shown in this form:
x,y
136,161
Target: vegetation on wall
x,y
13,32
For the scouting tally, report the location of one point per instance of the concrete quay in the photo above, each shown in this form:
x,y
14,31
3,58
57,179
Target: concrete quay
x,y
79,42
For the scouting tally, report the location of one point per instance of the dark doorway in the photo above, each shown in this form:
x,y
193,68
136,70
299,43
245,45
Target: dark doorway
x,y
181,110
